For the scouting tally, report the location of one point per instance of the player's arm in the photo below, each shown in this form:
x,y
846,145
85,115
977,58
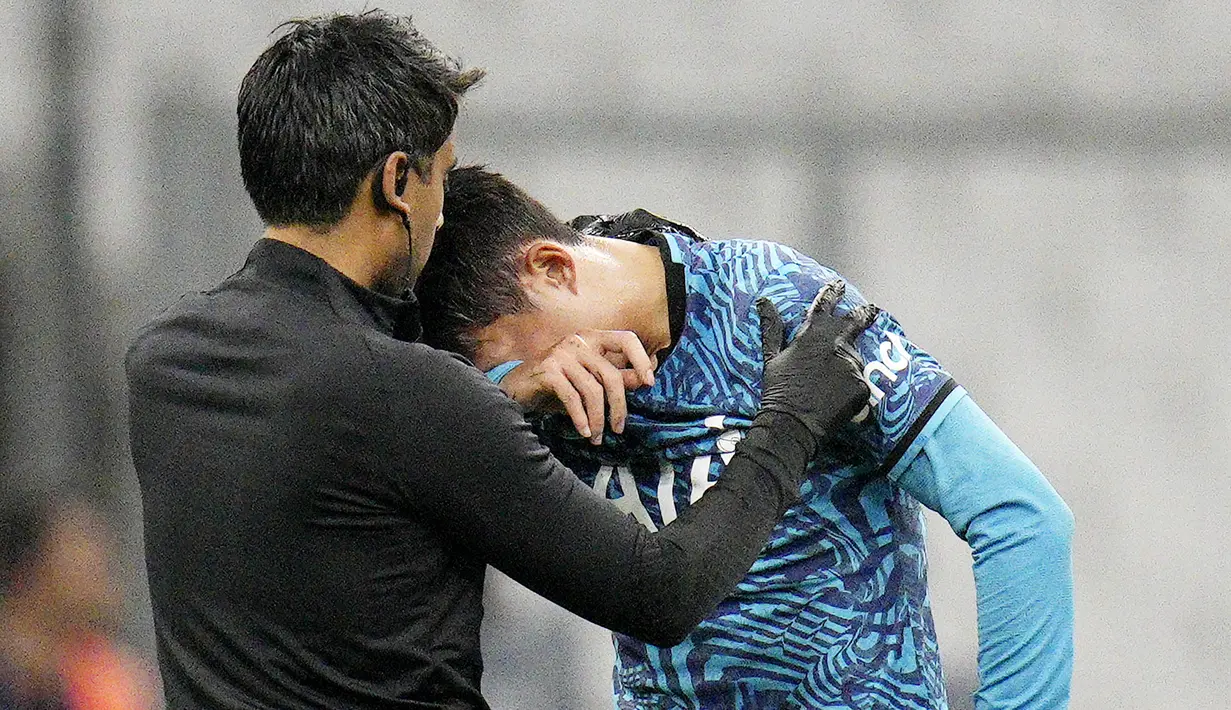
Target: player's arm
x,y
966,469
466,459
1020,532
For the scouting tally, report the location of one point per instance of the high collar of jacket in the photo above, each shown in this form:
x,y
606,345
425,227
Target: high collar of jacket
x,y
305,272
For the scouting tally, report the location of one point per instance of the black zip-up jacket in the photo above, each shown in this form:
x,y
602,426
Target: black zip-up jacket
x,y
321,497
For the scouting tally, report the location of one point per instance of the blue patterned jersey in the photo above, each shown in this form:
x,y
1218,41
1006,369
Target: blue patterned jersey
x,y
835,612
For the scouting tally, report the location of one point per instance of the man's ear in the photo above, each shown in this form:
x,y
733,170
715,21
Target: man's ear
x,y
389,183
549,264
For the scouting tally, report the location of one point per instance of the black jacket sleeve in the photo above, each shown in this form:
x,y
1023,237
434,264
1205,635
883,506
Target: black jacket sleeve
x,y
463,455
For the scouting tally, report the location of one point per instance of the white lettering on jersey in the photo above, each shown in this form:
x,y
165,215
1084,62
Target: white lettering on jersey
x,y
628,500
699,474
699,477
726,444
888,365
666,490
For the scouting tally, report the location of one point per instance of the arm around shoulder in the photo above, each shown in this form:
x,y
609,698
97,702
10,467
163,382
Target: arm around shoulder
x,y
464,457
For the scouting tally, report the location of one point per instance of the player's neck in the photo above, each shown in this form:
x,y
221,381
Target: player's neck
x,y
638,286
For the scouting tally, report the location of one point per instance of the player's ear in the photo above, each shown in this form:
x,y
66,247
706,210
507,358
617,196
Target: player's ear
x,y
548,264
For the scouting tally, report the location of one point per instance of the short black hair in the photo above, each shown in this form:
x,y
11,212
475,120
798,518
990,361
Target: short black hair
x,y
329,100
472,276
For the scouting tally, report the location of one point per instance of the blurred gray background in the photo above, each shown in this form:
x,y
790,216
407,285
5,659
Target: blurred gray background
x,y
1039,191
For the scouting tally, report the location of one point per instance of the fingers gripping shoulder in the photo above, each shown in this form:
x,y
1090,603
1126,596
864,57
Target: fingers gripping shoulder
x,y
902,378
793,286
795,281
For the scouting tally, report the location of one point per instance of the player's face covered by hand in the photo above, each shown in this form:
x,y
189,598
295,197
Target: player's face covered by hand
x,y
564,298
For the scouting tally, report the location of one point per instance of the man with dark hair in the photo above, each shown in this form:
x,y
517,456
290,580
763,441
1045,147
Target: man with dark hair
x,y
322,494
835,611
342,102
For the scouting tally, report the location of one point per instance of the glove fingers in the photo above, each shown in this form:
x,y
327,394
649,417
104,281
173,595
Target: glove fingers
x,y
824,304
854,324
827,298
773,332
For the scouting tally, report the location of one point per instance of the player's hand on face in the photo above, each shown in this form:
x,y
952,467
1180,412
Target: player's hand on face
x,y
583,374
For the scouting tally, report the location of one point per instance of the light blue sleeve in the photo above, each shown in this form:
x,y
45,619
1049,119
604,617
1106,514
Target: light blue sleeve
x,y
499,372
1020,532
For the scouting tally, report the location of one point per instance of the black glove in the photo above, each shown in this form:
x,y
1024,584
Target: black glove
x,y
818,377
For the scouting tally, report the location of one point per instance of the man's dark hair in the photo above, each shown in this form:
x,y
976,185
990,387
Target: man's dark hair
x,y
329,100
473,276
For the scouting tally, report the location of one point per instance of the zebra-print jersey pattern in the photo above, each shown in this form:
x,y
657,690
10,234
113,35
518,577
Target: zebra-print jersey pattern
x,y
835,612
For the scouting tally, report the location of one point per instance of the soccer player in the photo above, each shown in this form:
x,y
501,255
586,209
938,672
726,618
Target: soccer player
x,y
835,611
322,494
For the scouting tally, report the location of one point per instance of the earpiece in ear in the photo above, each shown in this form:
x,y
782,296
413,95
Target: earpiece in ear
x,y
399,185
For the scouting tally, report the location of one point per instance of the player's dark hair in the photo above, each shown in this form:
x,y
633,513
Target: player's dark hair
x,y
23,526
329,100
472,276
